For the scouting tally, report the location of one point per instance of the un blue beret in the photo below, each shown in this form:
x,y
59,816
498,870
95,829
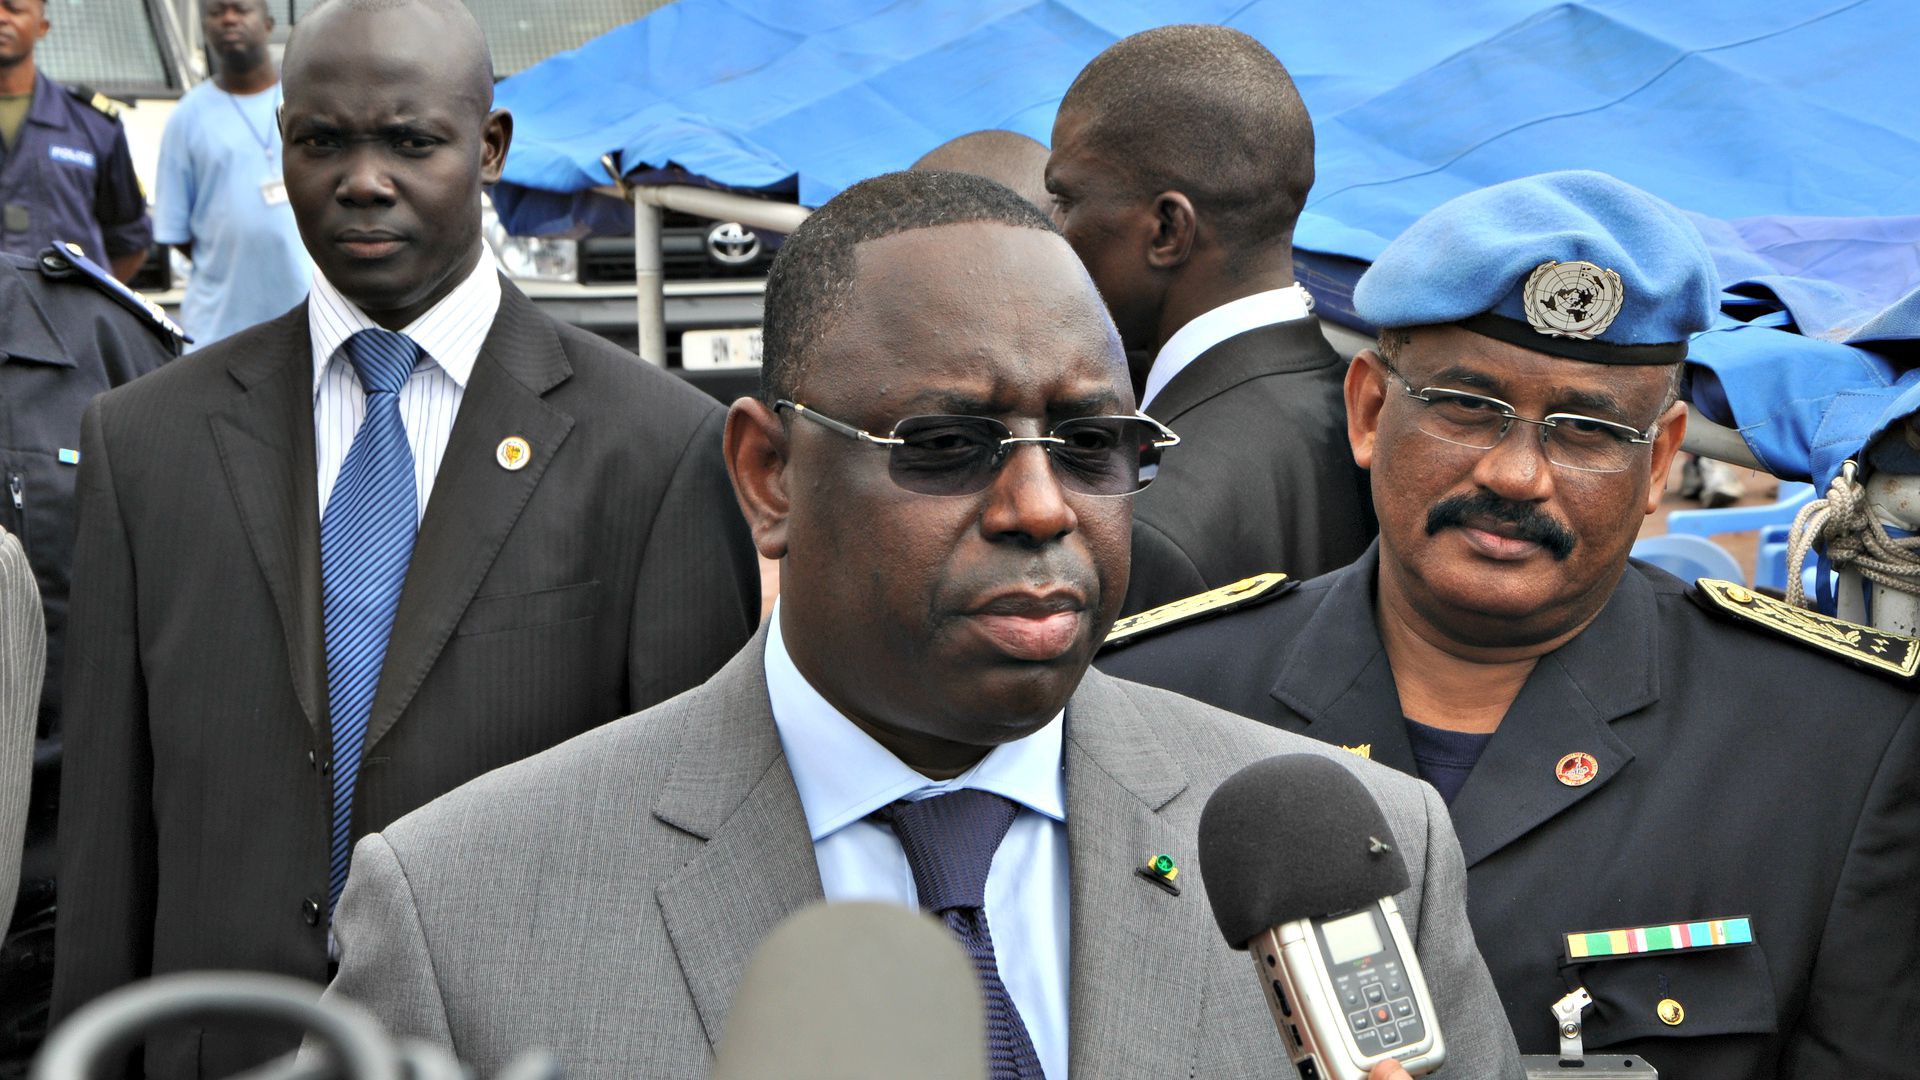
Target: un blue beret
x,y
1574,264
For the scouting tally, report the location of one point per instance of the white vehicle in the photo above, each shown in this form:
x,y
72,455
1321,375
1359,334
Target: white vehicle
x,y
147,53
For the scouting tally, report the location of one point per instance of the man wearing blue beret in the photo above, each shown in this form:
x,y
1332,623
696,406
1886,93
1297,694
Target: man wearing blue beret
x,y
1690,801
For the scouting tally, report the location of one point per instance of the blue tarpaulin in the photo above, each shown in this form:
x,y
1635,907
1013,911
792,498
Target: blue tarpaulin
x,y
1785,127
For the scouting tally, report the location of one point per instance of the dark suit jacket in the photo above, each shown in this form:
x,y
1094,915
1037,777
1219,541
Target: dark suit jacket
x,y
1739,774
1263,478
609,573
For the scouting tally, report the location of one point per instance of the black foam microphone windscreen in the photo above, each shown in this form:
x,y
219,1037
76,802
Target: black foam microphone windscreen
x,y
1293,837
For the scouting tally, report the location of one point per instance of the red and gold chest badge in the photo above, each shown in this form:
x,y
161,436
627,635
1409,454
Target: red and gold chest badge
x,y
1576,769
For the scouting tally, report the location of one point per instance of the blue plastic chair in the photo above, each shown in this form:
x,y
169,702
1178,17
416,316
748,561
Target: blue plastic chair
x,y
1772,520
1742,518
1770,558
1688,557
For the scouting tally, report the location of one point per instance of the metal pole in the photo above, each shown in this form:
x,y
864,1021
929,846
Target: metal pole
x,y
181,25
649,279
719,205
1708,439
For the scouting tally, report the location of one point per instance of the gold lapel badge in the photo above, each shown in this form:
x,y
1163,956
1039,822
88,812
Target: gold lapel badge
x,y
1671,1012
1576,769
513,453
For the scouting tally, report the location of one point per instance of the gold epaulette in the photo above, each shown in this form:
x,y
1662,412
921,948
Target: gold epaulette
x,y
105,105
1218,601
1877,650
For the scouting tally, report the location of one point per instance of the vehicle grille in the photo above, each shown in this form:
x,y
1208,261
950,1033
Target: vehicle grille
x,y
608,260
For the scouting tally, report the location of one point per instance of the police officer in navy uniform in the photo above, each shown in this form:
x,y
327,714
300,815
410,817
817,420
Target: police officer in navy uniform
x,y
68,331
1698,804
65,173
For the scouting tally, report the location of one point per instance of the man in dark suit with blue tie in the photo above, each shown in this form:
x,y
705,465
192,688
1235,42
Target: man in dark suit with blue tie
x,y
346,560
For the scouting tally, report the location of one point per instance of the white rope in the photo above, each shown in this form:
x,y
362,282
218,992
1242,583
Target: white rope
x,y
1844,526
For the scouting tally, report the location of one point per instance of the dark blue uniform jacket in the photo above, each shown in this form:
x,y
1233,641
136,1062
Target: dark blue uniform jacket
x,y
1740,773
69,178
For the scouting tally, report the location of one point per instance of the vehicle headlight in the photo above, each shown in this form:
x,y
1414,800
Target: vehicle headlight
x,y
529,258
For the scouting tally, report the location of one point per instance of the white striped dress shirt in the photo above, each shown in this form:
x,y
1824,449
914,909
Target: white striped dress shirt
x,y
449,334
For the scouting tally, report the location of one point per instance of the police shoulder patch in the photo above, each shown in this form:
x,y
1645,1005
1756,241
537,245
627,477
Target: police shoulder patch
x,y
65,261
1868,647
1244,593
103,104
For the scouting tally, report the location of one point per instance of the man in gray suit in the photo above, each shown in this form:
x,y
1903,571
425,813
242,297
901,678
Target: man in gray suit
x,y
922,693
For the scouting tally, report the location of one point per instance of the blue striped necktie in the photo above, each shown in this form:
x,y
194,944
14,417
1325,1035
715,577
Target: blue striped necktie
x,y
949,841
366,540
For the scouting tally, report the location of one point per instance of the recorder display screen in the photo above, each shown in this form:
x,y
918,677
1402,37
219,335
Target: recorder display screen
x,y
1352,937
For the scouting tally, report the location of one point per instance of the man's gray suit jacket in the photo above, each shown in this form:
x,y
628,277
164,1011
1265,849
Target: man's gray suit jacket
x,y
610,572
602,899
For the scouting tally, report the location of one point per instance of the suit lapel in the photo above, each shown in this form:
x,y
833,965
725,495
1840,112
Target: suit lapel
x,y
1295,345
1567,707
730,787
265,441
1134,993
475,501
1337,678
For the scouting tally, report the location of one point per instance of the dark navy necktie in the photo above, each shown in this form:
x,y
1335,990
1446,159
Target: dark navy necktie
x,y
366,540
950,840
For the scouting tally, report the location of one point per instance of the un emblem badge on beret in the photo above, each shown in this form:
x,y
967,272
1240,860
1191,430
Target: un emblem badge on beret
x,y
1572,299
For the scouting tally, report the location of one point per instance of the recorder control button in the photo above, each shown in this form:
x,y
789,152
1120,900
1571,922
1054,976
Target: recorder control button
x,y
1389,1036
1374,994
1360,1021
1403,1007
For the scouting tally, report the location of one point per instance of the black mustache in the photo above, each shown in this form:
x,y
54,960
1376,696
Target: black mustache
x,y
1529,521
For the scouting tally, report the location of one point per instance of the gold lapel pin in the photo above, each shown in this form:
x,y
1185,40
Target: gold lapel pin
x,y
513,453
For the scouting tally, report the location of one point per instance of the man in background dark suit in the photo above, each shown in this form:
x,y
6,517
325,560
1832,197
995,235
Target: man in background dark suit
x,y
239,708
1181,159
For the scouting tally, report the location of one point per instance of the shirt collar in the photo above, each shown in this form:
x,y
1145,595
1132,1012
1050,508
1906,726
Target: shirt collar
x,y
843,774
1231,319
450,332
47,107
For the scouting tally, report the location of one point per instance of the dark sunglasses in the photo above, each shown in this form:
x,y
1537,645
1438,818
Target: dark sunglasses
x,y
960,455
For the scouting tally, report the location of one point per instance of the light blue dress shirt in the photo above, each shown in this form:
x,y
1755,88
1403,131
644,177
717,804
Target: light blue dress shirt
x,y
844,775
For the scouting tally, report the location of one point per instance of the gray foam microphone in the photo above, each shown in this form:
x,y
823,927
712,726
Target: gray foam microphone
x,y
856,991
1301,870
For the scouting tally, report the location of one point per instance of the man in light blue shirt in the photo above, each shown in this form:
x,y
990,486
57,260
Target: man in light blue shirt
x,y
221,201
